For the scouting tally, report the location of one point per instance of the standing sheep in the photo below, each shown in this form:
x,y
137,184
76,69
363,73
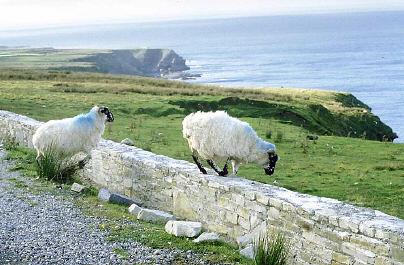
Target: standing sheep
x,y
70,136
217,136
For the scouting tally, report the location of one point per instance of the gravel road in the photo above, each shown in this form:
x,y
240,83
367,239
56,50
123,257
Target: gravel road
x,y
48,229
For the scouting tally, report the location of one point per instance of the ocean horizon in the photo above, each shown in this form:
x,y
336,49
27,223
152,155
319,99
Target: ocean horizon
x,y
359,53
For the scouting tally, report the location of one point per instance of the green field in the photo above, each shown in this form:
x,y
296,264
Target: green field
x,y
149,111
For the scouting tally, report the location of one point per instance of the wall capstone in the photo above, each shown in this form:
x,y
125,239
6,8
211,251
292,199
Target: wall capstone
x,y
320,230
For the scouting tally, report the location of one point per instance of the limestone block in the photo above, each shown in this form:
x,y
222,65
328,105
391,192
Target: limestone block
x,y
249,238
207,237
134,209
255,206
346,223
367,230
383,261
288,207
182,205
360,254
154,216
275,202
248,251
256,219
127,141
244,223
249,195
340,258
104,194
261,198
77,187
273,213
183,228
231,217
372,244
238,199
398,252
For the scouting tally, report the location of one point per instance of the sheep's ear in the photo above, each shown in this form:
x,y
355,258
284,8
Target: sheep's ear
x,y
102,109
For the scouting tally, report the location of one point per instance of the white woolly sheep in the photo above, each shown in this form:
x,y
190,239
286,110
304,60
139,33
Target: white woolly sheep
x,y
70,136
217,136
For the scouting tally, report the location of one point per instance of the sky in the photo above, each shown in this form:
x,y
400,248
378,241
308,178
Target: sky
x,y
52,13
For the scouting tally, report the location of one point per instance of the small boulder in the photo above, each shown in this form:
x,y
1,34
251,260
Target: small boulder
x,y
207,237
122,199
106,195
183,228
135,209
248,251
127,141
77,187
154,216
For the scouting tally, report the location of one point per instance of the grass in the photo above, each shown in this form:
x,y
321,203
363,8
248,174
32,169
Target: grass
x,y
154,235
118,223
54,168
271,251
150,112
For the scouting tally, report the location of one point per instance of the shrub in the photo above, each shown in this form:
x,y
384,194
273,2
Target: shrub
x,y
269,251
54,168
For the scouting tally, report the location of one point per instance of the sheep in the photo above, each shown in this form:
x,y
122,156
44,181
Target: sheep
x,y
70,136
218,136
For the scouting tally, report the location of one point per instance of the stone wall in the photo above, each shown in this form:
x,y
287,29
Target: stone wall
x,y
320,230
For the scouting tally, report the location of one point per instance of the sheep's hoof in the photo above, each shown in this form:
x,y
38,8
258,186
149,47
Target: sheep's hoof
x,y
82,163
223,173
204,171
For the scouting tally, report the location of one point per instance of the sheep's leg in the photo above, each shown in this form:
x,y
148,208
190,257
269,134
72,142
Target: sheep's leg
x,y
38,158
196,160
223,172
235,165
213,165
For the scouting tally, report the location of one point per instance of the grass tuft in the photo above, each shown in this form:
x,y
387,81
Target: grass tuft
x,y
269,251
54,168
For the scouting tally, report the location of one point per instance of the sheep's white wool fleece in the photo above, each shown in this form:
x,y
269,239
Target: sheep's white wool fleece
x,y
70,136
217,136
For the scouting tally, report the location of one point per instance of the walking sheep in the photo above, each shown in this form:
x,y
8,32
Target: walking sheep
x,y
70,136
217,136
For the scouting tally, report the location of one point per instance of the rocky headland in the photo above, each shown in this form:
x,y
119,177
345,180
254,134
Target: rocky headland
x,y
144,62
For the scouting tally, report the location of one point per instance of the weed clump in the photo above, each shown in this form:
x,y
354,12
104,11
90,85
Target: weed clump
x,y
54,168
269,251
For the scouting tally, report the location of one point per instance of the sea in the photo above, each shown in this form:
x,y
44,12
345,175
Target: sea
x,y
360,53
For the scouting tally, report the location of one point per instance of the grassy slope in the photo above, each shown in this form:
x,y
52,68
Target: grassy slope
x,y
150,111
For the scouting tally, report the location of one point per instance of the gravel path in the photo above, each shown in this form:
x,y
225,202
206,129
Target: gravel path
x,y
47,229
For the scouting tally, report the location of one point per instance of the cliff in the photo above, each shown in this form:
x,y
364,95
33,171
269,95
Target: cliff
x,y
145,62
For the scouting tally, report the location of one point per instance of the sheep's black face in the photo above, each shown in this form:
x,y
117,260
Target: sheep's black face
x,y
108,114
270,169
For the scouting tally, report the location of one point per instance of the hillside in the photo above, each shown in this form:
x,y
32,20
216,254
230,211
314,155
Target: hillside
x,y
150,112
